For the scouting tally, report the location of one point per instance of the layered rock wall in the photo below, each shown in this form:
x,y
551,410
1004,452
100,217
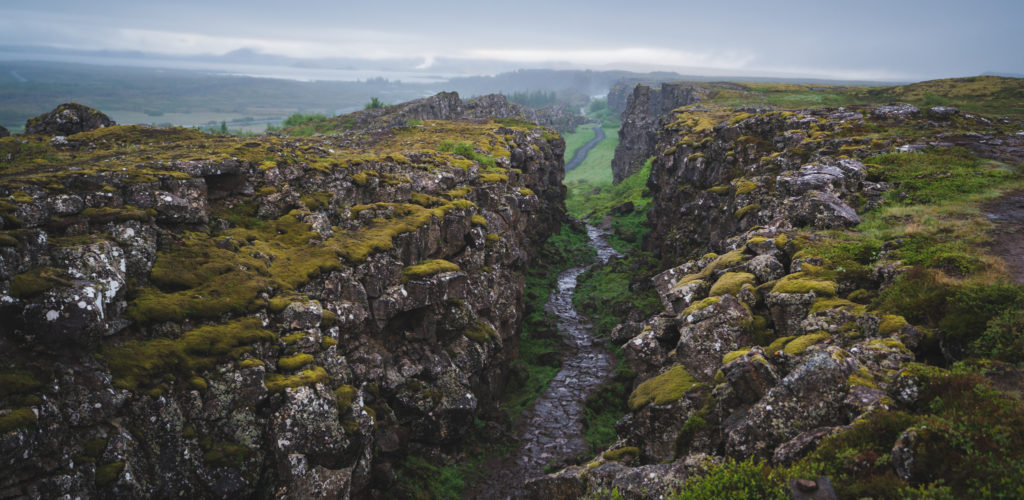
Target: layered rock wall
x,y
233,317
638,135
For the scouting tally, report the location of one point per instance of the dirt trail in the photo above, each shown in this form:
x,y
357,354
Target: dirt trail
x,y
581,153
551,430
1007,213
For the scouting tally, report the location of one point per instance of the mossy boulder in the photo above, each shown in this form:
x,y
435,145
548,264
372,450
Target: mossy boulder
x,y
68,119
666,388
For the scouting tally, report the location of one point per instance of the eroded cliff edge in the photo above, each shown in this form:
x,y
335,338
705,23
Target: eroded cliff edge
x,y
215,316
796,342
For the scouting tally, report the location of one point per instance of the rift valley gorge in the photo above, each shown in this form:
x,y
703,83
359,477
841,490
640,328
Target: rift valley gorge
x,y
686,290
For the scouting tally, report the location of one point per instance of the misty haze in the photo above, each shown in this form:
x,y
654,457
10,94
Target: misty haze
x,y
540,250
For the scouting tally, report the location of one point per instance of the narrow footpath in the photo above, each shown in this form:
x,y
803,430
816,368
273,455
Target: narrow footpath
x,y
551,431
581,153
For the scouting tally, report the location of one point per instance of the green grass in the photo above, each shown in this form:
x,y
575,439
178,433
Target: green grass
x,y
606,406
576,139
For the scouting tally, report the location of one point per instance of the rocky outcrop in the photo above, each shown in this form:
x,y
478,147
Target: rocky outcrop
x,y
68,119
257,317
763,350
720,172
638,135
448,106
4,132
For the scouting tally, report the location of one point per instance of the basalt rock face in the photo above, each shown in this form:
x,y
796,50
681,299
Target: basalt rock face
x,y
67,119
763,350
721,172
183,313
448,106
638,135
4,132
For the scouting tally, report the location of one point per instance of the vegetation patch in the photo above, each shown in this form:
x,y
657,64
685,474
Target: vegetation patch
x,y
143,363
276,382
731,283
666,388
428,268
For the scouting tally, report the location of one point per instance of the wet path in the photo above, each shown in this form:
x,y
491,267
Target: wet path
x,y
581,153
551,430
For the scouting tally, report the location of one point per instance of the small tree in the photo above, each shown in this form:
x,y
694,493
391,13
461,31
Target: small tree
x,y
374,104
223,127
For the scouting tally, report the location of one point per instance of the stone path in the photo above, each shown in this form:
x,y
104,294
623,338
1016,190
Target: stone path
x,y
551,431
581,153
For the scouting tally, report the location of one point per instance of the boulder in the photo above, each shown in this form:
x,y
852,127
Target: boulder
x,y
68,119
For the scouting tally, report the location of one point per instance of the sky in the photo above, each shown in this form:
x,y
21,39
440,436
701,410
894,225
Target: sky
x,y
892,40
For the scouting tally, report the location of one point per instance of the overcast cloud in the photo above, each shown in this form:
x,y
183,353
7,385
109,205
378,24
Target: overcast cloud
x,y
872,40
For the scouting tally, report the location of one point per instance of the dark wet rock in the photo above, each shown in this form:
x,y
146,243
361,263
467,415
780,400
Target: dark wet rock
x,y
822,210
4,132
793,450
68,119
639,131
751,375
810,396
811,489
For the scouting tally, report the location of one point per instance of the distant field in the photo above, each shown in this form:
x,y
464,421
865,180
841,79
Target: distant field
x,y
575,140
991,95
594,173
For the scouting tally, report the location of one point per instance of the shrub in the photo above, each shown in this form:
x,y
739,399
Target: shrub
x,y
749,479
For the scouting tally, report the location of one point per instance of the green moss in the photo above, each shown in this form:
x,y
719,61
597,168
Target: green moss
x,y
276,382
492,238
862,377
662,389
428,268
92,449
625,454
137,363
749,209
18,382
17,419
106,474
862,296
251,363
800,344
344,396
744,186
478,220
292,363
493,178
701,304
720,262
293,338
480,332
721,189
804,283
198,383
781,241
328,342
526,191
890,323
36,281
827,303
734,355
731,283
225,454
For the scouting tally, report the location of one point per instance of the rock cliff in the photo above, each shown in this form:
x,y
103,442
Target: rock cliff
x,y
778,341
638,134
184,313
448,106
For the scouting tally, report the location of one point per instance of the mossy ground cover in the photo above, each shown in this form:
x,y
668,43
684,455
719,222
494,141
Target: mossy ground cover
x,y
991,95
